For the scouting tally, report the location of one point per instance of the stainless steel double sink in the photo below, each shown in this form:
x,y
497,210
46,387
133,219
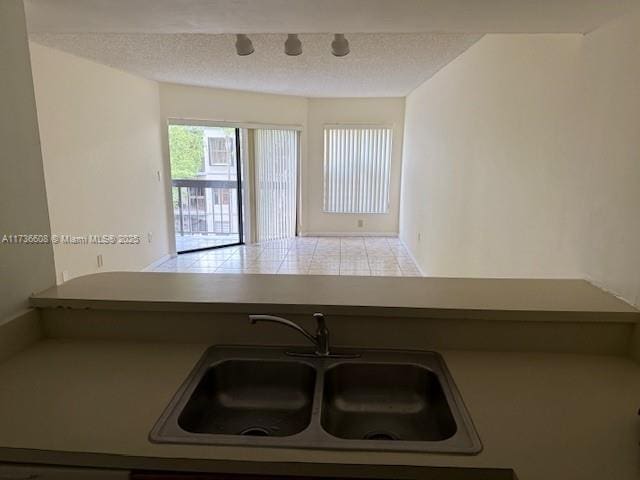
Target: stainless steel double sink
x,y
363,400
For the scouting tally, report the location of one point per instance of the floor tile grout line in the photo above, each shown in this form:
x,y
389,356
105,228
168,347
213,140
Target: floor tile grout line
x,y
344,253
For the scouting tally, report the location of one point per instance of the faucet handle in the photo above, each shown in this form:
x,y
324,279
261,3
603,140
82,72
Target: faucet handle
x,y
322,335
319,318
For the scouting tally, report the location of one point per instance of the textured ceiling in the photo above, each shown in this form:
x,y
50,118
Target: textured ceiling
x,y
379,65
318,16
399,44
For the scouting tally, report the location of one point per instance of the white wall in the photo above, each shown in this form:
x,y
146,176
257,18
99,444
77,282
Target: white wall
x,y
101,146
24,269
611,69
327,111
491,182
197,103
522,159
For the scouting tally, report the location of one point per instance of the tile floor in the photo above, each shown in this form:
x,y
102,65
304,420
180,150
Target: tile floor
x,y
377,256
191,242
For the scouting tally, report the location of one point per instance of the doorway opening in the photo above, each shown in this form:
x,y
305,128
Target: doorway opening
x,y
206,180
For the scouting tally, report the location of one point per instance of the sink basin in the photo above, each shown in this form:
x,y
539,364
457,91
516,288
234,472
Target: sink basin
x,y
385,402
367,400
249,397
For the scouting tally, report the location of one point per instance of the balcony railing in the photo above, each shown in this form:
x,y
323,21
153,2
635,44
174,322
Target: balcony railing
x,y
205,207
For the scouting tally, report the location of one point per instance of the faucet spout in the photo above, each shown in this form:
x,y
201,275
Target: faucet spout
x,y
320,340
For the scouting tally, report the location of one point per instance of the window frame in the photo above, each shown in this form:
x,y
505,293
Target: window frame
x,y
211,153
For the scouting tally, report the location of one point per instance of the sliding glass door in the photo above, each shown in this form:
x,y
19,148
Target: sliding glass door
x,y
206,186
276,183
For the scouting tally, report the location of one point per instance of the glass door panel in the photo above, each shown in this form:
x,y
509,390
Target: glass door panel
x,y
206,186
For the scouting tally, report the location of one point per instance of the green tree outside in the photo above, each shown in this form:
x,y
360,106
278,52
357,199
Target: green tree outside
x,y
186,151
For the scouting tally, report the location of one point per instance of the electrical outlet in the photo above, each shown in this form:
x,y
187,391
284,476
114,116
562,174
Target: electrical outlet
x,y
158,174
419,236
100,261
150,236
360,223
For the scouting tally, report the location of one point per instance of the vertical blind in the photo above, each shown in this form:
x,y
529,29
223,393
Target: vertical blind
x,y
356,169
276,178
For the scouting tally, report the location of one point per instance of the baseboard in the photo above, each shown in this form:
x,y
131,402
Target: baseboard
x,y
349,234
19,331
412,257
157,263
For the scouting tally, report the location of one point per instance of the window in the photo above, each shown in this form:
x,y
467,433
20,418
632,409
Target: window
x,y
220,152
356,169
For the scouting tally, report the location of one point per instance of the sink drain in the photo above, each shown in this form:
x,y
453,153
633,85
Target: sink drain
x,y
380,436
255,432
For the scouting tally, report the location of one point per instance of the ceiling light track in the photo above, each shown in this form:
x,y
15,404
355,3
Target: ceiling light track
x,y
293,45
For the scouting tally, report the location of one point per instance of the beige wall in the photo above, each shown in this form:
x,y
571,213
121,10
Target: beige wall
x,y
101,146
522,159
324,111
195,103
23,202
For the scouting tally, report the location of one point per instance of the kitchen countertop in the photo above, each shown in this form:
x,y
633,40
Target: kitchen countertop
x,y
378,296
546,416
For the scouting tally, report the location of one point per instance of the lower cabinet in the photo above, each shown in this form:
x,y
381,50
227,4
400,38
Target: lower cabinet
x,y
46,472
222,476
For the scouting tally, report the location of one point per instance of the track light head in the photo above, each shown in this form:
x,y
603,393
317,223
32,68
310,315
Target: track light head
x,y
293,45
340,45
244,46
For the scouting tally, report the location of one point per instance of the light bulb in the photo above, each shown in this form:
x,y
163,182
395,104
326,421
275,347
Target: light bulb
x,y
244,46
340,45
293,45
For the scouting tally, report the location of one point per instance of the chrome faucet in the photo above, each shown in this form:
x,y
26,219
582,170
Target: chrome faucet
x,y
320,339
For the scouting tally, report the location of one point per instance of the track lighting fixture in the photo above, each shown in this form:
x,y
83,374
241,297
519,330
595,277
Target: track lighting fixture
x,y
244,46
293,45
340,45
